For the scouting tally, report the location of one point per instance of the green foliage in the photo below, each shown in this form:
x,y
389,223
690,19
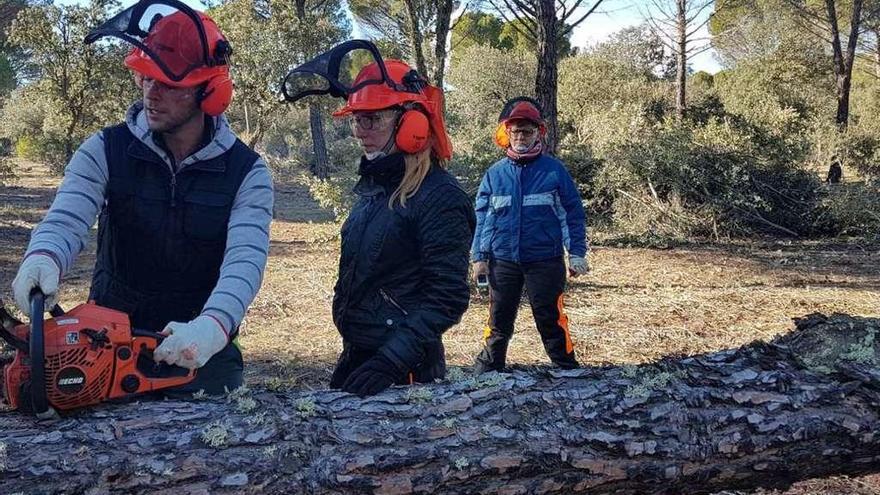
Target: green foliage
x,y
638,49
7,75
481,81
479,28
851,209
78,88
257,31
513,36
754,29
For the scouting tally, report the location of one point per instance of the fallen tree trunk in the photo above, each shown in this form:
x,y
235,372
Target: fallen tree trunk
x,y
803,406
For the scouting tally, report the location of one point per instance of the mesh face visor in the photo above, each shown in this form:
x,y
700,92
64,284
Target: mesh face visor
x,y
168,33
333,72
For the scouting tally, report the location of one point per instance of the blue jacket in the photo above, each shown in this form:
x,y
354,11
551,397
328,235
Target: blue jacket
x,y
528,212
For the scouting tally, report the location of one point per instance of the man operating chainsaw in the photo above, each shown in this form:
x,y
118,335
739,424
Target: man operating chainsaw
x,y
183,206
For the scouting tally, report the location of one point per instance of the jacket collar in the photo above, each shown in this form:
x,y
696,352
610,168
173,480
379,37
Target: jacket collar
x,y
206,158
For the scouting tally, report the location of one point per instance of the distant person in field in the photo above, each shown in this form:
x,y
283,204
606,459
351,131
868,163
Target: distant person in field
x,y
529,215
183,206
835,172
403,264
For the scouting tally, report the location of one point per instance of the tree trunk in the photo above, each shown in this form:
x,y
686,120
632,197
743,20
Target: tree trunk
x,y
320,166
257,135
444,17
415,38
876,51
681,58
546,79
843,63
803,406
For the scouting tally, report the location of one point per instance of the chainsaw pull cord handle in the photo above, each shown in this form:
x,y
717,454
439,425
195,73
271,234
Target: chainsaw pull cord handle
x,y
39,399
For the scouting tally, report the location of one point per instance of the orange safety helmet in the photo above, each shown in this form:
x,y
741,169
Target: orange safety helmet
x,y
519,108
183,48
422,104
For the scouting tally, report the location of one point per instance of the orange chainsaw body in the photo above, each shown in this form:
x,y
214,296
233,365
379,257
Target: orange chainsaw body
x,y
91,355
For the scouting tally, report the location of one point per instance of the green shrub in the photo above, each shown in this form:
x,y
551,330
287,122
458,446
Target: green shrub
x,y
851,209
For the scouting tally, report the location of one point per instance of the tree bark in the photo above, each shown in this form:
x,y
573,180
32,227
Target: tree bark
x,y
843,62
681,58
415,38
444,18
877,51
320,166
547,75
803,406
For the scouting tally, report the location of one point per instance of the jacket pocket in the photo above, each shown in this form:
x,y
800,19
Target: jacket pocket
x,y
121,201
206,215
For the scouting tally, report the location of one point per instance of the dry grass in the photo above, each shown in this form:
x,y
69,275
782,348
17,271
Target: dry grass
x,y
638,305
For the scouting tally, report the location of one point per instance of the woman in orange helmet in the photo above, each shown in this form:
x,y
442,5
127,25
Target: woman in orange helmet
x,y
404,257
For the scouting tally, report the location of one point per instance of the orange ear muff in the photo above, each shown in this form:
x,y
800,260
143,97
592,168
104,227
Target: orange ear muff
x,y
216,96
502,139
413,130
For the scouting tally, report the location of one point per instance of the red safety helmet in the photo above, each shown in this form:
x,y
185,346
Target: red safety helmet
x,y
422,104
174,37
175,45
519,108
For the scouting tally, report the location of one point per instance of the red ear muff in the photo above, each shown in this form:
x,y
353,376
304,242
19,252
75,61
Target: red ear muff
x,y
216,96
413,130
502,139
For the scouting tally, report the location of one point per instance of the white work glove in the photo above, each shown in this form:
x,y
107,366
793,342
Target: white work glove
x,y
192,344
37,270
578,266
480,268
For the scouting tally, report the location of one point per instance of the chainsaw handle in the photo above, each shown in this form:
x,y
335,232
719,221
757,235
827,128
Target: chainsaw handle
x,y
159,373
137,332
37,353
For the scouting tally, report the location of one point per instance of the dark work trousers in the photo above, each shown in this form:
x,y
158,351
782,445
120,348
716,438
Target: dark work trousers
x,y
545,283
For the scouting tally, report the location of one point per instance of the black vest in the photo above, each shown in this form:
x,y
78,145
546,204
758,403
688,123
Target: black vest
x,y
162,236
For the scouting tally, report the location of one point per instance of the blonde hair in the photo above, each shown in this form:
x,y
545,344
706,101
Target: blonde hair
x,y
417,167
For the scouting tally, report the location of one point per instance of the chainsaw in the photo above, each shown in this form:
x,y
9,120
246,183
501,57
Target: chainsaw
x,y
79,358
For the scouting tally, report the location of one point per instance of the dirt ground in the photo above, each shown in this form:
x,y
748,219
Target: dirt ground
x,y
638,304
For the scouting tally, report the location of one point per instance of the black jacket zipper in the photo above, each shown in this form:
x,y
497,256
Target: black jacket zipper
x,y
390,300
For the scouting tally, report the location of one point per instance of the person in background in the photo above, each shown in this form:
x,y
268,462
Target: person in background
x,y
529,213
